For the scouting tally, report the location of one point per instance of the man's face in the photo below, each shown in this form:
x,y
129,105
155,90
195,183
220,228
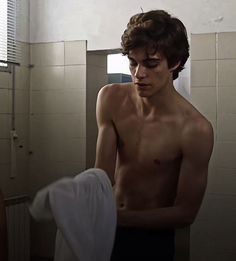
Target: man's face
x,y
150,72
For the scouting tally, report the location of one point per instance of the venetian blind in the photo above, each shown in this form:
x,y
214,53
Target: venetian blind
x,y
10,51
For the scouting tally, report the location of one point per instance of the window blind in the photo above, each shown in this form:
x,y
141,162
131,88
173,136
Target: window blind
x,y
10,49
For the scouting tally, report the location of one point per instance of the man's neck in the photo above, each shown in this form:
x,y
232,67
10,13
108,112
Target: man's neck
x,y
160,103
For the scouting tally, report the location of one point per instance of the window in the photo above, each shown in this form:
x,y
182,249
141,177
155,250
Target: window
x,y
9,47
117,63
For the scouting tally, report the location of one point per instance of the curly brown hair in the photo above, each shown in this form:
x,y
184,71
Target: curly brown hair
x,y
158,31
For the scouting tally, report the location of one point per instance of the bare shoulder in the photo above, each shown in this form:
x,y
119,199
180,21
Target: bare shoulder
x,y
196,124
197,135
114,91
110,98
113,95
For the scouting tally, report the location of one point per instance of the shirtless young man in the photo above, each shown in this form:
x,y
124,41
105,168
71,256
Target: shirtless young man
x,y
154,145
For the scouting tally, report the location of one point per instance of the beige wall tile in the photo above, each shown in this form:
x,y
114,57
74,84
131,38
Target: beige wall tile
x,y
204,99
75,77
69,168
223,233
69,101
223,181
46,149
227,72
22,101
213,236
218,230
42,173
58,150
47,78
226,127
5,101
17,186
200,234
225,154
4,80
212,254
203,73
22,77
22,152
226,100
4,151
22,125
25,54
226,45
77,151
203,46
96,78
98,60
217,206
75,52
49,126
44,54
5,123
4,177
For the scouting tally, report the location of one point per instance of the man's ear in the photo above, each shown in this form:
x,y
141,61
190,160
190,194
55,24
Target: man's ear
x,y
175,66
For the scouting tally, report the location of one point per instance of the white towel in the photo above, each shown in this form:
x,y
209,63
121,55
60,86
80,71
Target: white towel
x,y
84,210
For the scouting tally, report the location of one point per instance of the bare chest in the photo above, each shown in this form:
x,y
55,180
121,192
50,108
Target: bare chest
x,y
148,142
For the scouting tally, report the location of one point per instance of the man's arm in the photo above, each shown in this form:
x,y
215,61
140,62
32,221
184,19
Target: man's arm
x,y
107,139
3,230
197,147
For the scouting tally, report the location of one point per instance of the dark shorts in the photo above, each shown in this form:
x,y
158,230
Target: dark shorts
x,y
142,244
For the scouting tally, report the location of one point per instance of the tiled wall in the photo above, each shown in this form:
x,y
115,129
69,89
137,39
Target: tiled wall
x,y
18,185
213,92
58,106
57,122
96,78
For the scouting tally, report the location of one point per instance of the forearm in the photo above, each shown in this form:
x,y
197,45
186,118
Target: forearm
x,y
109,170
161,218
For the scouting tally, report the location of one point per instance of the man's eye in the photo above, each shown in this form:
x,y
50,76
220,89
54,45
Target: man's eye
x,y
151,65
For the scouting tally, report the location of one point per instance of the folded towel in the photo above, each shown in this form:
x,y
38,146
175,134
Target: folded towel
x,y
84,210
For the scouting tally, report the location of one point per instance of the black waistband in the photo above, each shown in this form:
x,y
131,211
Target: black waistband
x,y
170,232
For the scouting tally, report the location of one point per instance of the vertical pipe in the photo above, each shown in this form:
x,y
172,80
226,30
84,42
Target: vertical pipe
x,y
13,71
13,135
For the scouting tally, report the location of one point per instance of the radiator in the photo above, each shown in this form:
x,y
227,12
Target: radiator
x,y
18,227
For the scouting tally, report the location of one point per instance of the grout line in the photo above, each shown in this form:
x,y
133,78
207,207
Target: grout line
x,y
217,82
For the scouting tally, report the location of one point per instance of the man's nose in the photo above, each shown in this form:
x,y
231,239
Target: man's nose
x,y
140,71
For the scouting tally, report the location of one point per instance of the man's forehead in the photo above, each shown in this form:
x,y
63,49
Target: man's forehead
x,y
144,54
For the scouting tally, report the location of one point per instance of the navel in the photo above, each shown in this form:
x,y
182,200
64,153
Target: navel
x,y
121,205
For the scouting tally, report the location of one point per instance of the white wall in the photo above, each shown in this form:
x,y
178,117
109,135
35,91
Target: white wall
x,y
102,22
22,33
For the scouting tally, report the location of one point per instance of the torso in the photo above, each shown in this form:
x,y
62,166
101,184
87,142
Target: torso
x,y
149,153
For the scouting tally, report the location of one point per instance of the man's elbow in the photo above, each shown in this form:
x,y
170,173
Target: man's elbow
x,y
187,218
189,221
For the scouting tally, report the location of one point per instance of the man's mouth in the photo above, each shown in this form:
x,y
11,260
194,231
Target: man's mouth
x,y
141,85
